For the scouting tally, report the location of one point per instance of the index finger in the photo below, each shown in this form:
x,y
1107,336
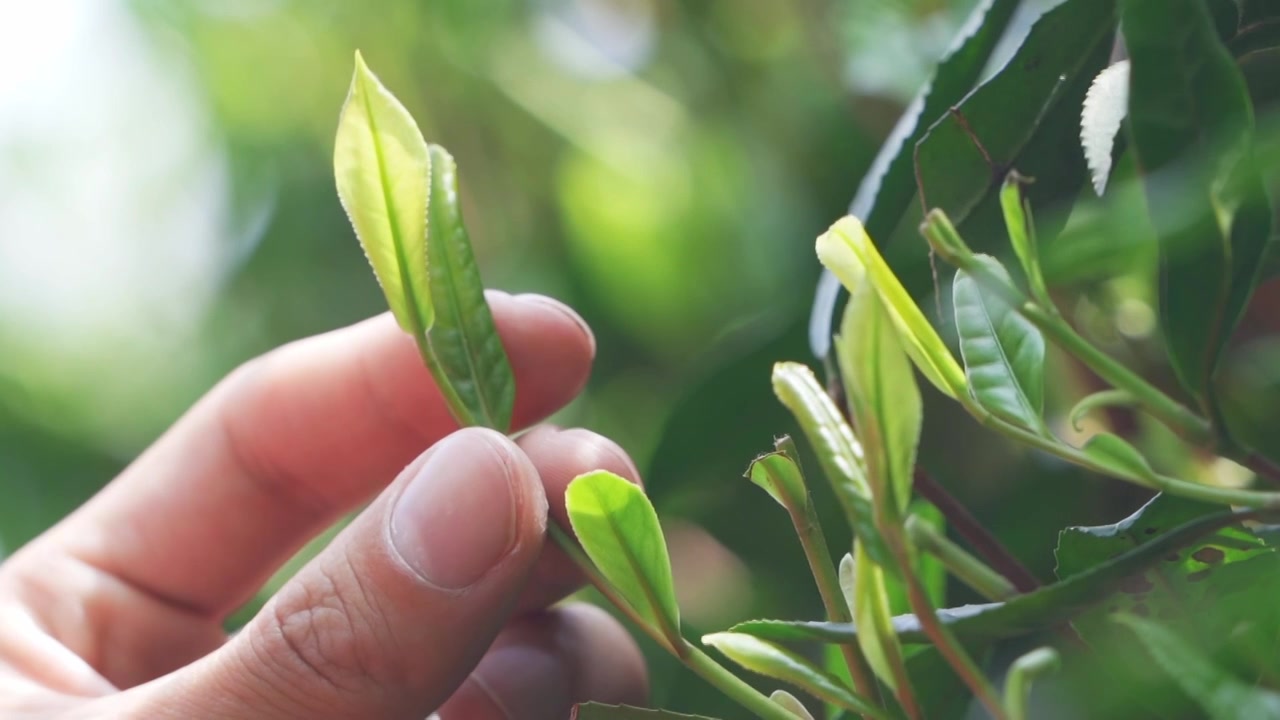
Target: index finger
x,y
289,442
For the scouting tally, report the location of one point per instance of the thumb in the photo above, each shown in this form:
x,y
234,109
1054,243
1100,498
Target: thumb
x,y
392,616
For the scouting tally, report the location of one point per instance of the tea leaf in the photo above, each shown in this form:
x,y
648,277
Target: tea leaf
x,y
1003,352
863,583
883,398
885,192
780,476
836,446
471,365
779,663
381,165
1219,693
1022,236
1120,458
1048,606
619,531
848,251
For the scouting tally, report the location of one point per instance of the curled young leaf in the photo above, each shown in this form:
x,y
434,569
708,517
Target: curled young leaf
x,y
1003,352
380,163
780,476
848,252
774,661
1022,236
619,531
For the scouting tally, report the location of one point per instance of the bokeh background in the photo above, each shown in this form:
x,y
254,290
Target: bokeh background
x,y
167,211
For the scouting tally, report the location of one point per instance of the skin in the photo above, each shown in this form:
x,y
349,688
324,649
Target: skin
x,y
438,598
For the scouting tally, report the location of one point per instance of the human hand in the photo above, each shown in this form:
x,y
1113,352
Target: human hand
x,y
435,598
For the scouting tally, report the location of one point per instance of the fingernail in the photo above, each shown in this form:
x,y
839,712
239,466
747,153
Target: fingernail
x,y
525,682
457,517
564,310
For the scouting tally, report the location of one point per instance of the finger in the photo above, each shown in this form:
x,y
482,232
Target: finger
x,y
544,663
290,441
561,456
390,619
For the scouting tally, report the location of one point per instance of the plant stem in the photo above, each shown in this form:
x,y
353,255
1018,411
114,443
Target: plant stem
x,y
695,659
1177,416
1025,670
941,636
816,551
974,533
969,569
732,686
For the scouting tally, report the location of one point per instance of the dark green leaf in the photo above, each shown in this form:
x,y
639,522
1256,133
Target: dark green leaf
x,y
463,340
967,151
1191,123
596,711
1220,694
619,531
886,190
1034,611
765,658
1003,352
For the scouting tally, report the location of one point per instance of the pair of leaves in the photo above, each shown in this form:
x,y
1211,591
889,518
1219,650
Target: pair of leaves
x,y
401,196
1096,579
1191,121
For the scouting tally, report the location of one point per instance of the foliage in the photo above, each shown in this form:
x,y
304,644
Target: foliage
x,y
1097,344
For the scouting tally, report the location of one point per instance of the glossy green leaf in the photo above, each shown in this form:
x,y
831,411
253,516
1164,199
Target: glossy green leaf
x,y
863,583
885,192
471,363
848,251
619,531
837,449
791,704
1220,694
780,476
883,398
381,165
596,711
964,154
1003,352
1191,122
1032,612
770,660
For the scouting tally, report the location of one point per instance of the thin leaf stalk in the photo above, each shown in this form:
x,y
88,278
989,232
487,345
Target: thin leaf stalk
x,y
694,658
941,636
814,543
967,568
1025,670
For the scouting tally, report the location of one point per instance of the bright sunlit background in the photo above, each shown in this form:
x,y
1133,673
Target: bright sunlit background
x,y
167,211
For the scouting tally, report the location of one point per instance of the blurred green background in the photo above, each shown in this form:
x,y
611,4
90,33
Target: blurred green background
x,y
167,211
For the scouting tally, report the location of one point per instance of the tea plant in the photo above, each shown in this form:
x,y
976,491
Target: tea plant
x,y
1179,113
